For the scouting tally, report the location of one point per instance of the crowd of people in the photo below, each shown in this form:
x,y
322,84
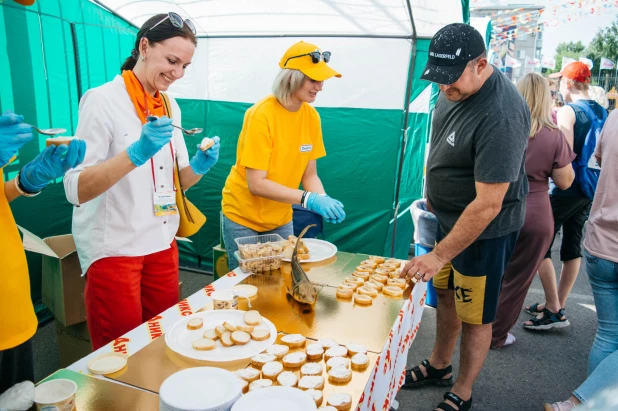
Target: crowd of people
x,y
508,168
494,150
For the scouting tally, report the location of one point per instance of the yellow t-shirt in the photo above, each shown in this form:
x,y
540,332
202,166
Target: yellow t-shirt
x,y
280,142
18,321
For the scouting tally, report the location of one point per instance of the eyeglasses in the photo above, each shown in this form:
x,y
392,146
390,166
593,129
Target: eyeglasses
x,y
316,56
177,21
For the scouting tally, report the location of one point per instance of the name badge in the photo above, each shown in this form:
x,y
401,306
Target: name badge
x,y
165,203
305,148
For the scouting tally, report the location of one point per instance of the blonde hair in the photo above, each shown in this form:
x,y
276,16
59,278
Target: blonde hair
x,y
286,83
578,85
535,90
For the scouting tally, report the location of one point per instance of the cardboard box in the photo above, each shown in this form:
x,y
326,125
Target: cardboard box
x,y
219,262
63,285
73,342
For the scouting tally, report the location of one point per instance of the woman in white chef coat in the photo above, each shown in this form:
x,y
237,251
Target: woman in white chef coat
x,y
126,217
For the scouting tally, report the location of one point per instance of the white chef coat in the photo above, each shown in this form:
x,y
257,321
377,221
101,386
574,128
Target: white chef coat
x,y
121,221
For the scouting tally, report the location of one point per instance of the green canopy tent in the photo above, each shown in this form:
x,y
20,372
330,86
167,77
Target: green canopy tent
x,y
375,118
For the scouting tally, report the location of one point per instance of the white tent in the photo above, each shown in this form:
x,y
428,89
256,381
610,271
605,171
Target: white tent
x,y
375,44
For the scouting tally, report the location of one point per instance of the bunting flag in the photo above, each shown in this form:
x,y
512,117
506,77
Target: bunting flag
x,y
587,62
532,62
511,62
567,60
606,64
548,63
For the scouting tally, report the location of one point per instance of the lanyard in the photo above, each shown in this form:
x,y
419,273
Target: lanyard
x,y
154,180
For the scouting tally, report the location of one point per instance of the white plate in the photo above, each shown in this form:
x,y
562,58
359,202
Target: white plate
x,y
199,388
275,399
319,250
179,338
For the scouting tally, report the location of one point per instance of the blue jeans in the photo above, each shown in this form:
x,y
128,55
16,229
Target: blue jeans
x,y
231,230
603,358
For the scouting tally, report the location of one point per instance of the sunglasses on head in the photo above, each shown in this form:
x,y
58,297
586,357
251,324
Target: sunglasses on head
x,y
177,22
316,56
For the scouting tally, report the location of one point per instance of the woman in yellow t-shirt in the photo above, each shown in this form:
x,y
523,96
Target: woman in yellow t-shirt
x,y
18,321
280,141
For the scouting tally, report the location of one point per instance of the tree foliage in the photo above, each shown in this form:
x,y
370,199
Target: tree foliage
x,y
604,44
571,49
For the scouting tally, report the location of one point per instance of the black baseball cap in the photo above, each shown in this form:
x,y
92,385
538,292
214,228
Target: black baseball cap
x,y
450,51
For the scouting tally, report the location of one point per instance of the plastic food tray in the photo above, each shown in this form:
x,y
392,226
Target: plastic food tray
x,y
246,245
260,264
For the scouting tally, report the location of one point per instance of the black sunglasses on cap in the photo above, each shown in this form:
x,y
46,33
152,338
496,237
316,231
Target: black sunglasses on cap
x,y
316,56
177,21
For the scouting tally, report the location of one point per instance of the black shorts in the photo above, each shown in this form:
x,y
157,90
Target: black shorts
x,y
476,277
571,214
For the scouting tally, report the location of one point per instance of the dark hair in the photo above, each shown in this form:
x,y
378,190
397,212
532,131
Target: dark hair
x,y
165,30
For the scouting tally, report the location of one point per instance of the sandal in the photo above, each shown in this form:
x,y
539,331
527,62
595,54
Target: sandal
x,y
548,321
434,376
533,310
455,399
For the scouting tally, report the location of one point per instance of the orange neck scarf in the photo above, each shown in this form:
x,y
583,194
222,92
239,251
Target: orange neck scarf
x,y
145,104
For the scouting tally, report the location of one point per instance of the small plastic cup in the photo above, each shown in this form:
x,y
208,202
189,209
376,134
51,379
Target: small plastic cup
x,y
55,395
226,299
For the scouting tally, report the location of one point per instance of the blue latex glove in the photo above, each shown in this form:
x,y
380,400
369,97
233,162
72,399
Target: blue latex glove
x,y
13,134
52,163
329,208
203,161
155,134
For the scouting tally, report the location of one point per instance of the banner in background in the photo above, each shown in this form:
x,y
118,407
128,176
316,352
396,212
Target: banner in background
x,y
587,62
511,62
548,62
532,62
606,64
567,60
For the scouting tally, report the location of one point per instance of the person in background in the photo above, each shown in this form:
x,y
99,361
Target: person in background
x,y
278,148
548,155
18,322
570,207
480,121
601,252
126,216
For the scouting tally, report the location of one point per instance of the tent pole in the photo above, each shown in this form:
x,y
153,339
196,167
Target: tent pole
x,y
405,126
78,72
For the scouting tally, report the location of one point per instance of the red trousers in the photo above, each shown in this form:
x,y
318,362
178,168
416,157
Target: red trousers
x,y
124,292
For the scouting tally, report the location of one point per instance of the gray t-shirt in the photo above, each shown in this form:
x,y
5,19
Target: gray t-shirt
x,y
484,139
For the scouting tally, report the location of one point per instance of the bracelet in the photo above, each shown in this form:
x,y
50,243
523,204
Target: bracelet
x,y
22,191
305,198
302,199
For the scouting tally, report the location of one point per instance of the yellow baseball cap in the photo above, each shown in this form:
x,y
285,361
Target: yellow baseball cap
x,y
309,59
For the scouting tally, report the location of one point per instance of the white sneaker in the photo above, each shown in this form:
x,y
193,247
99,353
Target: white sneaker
x,y
510,339
559,406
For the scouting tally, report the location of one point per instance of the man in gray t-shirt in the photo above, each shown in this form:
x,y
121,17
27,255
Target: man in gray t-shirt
x,y
476,187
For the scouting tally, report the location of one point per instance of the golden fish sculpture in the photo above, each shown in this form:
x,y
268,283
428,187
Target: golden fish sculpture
x,y
302,289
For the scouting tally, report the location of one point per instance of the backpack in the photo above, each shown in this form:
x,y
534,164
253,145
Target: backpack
x,y
586,167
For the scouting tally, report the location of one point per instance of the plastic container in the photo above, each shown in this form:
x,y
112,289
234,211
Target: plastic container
x,y
260,264
257,246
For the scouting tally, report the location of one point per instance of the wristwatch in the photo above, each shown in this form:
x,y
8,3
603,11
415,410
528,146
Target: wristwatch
x,y
21,188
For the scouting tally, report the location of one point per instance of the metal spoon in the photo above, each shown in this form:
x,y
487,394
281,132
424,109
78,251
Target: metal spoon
x,y
188,132
50,131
